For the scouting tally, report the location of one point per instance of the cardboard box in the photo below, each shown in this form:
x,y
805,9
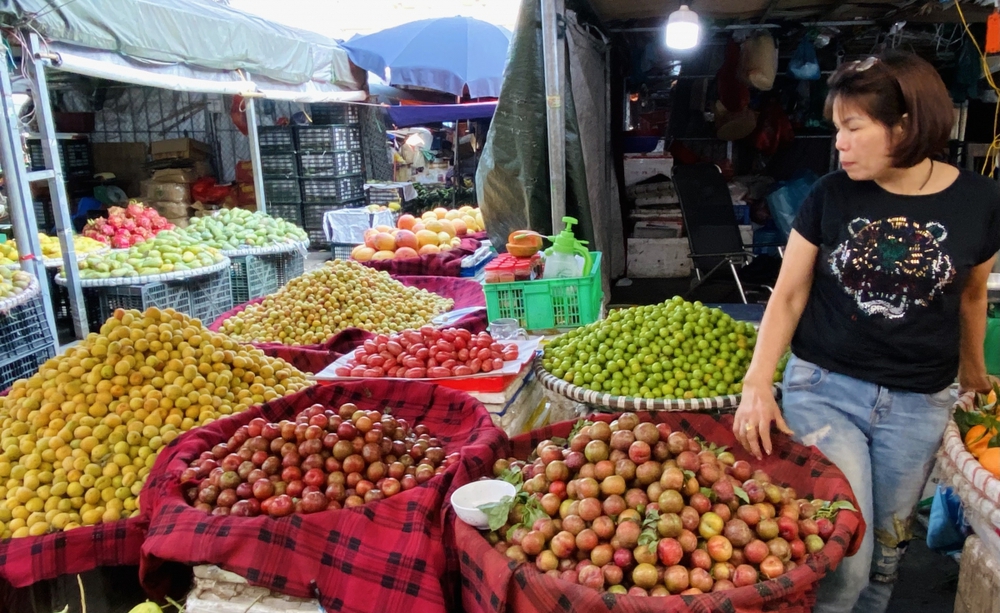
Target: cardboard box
x,y
126,161
176,175
246,195
244,171
180,148
641,167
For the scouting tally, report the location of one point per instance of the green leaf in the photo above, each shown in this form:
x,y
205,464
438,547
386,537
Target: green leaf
x,y
579,425
741,494
708,493
533,512
559,442
512,476
688,474
497,512
842,505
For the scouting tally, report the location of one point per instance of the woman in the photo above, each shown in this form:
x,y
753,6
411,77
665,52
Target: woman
x,y
882,294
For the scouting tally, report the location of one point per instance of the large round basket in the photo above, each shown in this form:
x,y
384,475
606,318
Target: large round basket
x,y
167,276
609,403
29,292
269,250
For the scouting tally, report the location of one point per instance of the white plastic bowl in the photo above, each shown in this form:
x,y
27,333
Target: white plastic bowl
x,y
467,498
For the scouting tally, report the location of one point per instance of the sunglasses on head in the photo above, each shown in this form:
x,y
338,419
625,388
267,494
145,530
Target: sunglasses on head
x,y
863,65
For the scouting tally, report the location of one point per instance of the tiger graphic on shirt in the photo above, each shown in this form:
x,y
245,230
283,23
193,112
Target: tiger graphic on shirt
x,y
890,265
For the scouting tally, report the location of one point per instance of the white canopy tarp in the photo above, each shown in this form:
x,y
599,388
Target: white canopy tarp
x,y
193,45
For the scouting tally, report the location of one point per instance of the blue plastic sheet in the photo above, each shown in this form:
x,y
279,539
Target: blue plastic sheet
x,y
785,201
947,528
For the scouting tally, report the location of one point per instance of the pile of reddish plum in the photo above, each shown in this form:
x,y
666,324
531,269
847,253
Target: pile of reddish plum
x,y
323,460
636,508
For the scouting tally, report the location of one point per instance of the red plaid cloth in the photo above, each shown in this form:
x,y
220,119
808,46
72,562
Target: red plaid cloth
x,y
490,582
447,264
479,236
28,560
314,358
385,556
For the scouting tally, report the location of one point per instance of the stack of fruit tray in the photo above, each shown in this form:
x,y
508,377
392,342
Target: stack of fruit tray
x,y
25,340
260,272
204,293
331,173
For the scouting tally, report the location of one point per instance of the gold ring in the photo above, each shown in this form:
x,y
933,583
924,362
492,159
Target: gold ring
x,y
748,427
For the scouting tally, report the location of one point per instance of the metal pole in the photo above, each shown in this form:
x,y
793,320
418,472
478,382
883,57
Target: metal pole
x,y
553,51
258,177
22,211
57,190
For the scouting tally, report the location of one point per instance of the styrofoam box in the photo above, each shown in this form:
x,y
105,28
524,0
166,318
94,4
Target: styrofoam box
x,y
653,258
640,167
219,591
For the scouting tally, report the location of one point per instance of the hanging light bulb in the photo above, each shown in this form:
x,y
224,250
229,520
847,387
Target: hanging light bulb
x,y
683,28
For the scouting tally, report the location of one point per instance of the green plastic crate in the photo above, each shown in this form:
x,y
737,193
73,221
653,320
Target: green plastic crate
x,y
548,303
992,344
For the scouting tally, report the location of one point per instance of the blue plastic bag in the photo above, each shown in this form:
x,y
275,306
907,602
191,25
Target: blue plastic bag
x,y
804,65
785,201
947,528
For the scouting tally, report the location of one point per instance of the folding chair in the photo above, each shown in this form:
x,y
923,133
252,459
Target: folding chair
x,y
710,224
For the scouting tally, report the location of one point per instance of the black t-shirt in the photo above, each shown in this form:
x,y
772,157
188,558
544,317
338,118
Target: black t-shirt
x,y
889,275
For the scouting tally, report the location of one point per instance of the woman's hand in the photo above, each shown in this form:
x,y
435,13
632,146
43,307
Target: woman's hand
x,y
752,423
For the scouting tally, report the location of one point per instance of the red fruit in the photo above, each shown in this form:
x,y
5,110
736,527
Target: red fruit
x,y
744,575
604,526
640,452
738,532
772,567
622,558
628,533
700,503
677,579
748,514
788,528
700,579
797,549
574,524
767,529
586,540
688,541
720,548
563,544
825,528
280,506
669,552
591,576
700,558
722,585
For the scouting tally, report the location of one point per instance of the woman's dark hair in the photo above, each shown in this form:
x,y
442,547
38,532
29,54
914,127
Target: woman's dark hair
x,y
898,88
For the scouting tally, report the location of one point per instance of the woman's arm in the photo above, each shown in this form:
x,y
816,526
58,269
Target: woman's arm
x,y
758,409
972,364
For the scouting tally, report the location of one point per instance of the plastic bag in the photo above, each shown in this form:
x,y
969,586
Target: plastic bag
x,y
784,202
804,65
947,528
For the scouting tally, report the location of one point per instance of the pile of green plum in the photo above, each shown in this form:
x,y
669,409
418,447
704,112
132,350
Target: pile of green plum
x,y
674,350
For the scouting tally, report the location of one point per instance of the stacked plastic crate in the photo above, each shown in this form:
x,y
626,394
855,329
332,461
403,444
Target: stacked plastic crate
x,y
280,171
330,165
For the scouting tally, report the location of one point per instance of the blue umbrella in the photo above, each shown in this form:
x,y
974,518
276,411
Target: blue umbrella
x,y
445,54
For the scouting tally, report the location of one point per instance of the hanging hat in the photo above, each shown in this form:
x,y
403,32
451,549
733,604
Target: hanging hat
x,y
733,126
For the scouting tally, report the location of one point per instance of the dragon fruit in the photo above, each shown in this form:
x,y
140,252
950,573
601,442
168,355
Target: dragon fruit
x,y
136,210
121,240
127,226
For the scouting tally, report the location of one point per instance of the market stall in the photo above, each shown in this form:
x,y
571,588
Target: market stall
x,y
102,42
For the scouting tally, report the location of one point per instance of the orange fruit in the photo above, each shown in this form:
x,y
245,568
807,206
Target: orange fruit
x,y
990,459
977,439
406,222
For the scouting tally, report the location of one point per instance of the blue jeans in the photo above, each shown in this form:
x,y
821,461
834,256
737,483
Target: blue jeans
x,y
884,441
